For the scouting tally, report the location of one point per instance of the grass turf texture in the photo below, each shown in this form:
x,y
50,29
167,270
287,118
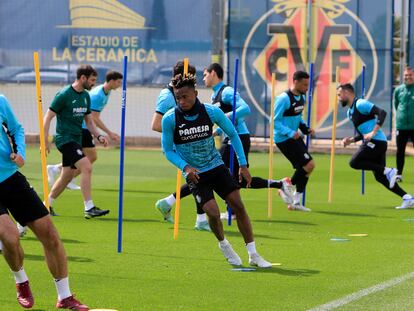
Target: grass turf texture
x,y
154,272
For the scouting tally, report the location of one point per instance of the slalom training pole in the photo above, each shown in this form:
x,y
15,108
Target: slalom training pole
x,y
363,96
271,126
233,121
310,95
41,130
335,114
178,186
122,156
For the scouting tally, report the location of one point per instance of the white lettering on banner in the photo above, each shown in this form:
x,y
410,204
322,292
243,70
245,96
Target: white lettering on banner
x,y
88,48
105,55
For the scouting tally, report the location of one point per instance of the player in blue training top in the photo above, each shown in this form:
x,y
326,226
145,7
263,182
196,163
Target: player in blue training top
x,y
371,155
166,101
222,97
288,121
188,143
99,98
19,199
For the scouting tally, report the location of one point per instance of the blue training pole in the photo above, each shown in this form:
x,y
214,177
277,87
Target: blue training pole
x,y
233,120
363,96
121,160
308,137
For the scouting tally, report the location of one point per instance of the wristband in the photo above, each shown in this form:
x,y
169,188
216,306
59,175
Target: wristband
x,y
98,137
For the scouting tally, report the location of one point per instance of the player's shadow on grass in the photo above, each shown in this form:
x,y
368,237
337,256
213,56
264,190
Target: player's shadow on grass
x,y
346,214
128,220
264,236
130,191
288,272
289,222
68,241
70,258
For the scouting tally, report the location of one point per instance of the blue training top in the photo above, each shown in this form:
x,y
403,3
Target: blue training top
x,y
99,99
165,101
200,152
12,133
361,114
288,116
223,95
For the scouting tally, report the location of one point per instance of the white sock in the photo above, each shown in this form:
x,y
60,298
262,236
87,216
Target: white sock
x,y
88,205
51,200
170,200
201,217
62,288
407,196
224,242
20,276
251,248
296,197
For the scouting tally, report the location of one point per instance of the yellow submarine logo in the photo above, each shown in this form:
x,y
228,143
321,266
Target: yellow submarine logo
x,y
103,14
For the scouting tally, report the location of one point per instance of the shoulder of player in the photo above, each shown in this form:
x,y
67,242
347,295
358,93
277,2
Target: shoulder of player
x,y
283,98
165,92
3,100
363,102
169,114
97,90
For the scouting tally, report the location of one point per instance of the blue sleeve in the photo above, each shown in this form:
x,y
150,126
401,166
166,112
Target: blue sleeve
x,y
165,101
14,128
98,101
282,103
225,124
167,141
364,106
242,108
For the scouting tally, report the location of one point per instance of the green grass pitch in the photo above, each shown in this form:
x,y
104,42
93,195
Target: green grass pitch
x,y
154,272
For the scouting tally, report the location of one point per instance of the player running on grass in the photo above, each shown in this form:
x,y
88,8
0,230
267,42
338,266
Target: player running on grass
x,y
288,121
71,106
371,155
188,143
166,101
19,199
99,98
222,97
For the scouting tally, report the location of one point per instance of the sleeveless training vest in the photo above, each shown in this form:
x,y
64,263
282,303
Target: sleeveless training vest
x,y
189,131
218,102
296,106
358,118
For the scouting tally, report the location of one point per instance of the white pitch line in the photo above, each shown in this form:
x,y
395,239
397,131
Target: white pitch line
x,y
362,293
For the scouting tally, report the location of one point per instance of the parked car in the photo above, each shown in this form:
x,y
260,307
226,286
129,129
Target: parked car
x,y
7,73
62,74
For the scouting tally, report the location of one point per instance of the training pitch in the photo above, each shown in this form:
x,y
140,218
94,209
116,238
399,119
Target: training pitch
x,y
353,254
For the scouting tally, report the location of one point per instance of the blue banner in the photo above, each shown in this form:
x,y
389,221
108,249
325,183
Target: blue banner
x,y
276,37
153,34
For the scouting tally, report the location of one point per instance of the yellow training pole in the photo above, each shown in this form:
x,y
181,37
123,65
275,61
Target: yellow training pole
x,y
41,130
271,126
335,112
178,187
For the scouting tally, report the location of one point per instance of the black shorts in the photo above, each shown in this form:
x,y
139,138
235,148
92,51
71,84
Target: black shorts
x,y
295,151
225,153
20,199
71,153
218,180
372,151
87,139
